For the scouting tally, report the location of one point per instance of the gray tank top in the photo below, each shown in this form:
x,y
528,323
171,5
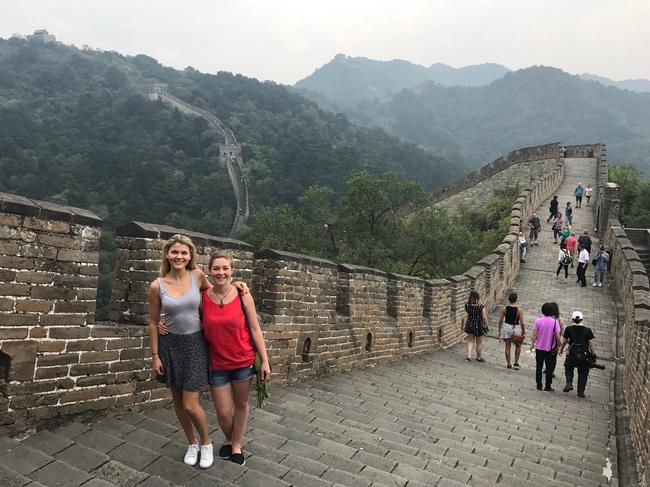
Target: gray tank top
x,y
182,312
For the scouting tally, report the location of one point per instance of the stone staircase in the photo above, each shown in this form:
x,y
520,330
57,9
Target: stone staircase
x,y
431,420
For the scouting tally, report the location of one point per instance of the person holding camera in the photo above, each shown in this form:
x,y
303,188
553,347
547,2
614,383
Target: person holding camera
x,y
581,355
600,262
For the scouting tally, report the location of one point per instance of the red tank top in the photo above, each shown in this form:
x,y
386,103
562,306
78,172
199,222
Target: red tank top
x,y
226,333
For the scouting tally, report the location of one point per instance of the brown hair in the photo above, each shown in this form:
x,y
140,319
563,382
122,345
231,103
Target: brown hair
x,y
219,254
473,298
165,267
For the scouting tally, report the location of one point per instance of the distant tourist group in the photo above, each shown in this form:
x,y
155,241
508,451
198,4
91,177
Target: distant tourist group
x,y
550,337
204,332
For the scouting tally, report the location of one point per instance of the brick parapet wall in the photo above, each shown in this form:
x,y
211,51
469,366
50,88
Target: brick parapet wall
x,y
317,316
137,264
632,289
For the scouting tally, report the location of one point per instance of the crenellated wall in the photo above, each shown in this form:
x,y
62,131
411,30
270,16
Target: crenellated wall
x,y
632,288
317,316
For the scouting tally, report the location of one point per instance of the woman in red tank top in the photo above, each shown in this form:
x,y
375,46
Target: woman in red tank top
x,y
233,334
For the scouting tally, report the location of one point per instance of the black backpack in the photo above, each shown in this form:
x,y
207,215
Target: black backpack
x,y
566,257
579,353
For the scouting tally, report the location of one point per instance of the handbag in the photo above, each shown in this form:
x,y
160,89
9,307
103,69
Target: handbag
x,y
517,338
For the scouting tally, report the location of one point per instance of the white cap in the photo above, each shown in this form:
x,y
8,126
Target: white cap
x,y
577,315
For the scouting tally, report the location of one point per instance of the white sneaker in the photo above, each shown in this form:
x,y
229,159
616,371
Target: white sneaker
x,y
206,456
191,455
595,284
600,284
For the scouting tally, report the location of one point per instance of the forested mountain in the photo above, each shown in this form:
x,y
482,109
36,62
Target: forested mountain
x,y
347,78
640,85
522,108
75,129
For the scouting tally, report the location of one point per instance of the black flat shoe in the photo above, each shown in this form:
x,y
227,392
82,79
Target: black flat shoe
x,y
237,458
225,451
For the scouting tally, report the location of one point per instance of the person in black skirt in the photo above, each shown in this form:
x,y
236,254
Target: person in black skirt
x,y
476,325
179,356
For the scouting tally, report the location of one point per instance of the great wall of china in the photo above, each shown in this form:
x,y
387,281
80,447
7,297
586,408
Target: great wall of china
x,y
318,317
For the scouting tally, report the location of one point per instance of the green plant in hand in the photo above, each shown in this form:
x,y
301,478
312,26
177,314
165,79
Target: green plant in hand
x,y
263,388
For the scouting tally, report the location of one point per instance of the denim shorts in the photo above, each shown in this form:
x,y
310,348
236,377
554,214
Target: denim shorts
x,y
219,378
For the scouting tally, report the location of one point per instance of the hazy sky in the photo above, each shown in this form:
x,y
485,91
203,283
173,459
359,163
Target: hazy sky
x,y
286,40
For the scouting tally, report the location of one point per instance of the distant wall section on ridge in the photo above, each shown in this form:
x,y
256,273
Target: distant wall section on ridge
x,y
521,167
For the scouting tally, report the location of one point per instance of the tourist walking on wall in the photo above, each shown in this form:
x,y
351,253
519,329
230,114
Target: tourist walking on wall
x,y
535,225
600,262
572,245
233,334
580,340
566,233
545,340
513,331
179,354
558,224
588,191
583,263
568,214
552,209
523,247
585,241
180,358
476,325
579,191
564,259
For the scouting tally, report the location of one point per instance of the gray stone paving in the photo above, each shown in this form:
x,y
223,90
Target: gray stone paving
x,y
432,420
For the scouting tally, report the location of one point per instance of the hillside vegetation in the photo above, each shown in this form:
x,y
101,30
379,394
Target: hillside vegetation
x,y
477,124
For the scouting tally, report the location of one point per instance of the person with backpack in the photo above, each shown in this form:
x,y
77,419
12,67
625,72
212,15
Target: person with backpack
x,y
552,209
579,191
535,226
580,340
564,259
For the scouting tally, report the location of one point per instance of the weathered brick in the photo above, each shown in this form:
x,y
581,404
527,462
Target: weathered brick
x,y
117,389
80,395
86,294
35,277
45,225
17,234
121,343
58,359
132,353
7,304
18,319
127,365
8,220
23,354
33,306
89,369
33,401
50,346
69,333
76,281
9,247
65,383
51,372
86,346
37,251
62,241
74,307
105,356
38,332
68,255
49,292
13,333
14,289
7,276
96,380
63,320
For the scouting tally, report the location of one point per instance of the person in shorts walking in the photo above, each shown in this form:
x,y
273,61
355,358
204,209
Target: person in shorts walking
x,y
511,324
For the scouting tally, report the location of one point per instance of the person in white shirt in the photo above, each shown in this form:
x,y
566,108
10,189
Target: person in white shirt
x,y
583,263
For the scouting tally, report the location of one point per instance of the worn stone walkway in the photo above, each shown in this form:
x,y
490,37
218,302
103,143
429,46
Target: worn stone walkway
x,y
431,420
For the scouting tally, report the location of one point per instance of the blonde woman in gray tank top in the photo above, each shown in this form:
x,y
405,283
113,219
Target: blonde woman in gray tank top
x,y
178,353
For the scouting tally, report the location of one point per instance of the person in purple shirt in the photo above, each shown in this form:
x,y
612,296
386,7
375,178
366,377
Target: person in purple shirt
x,y
545,340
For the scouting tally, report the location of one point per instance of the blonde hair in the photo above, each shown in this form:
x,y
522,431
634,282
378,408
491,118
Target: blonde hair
x,y
221,255
165,267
